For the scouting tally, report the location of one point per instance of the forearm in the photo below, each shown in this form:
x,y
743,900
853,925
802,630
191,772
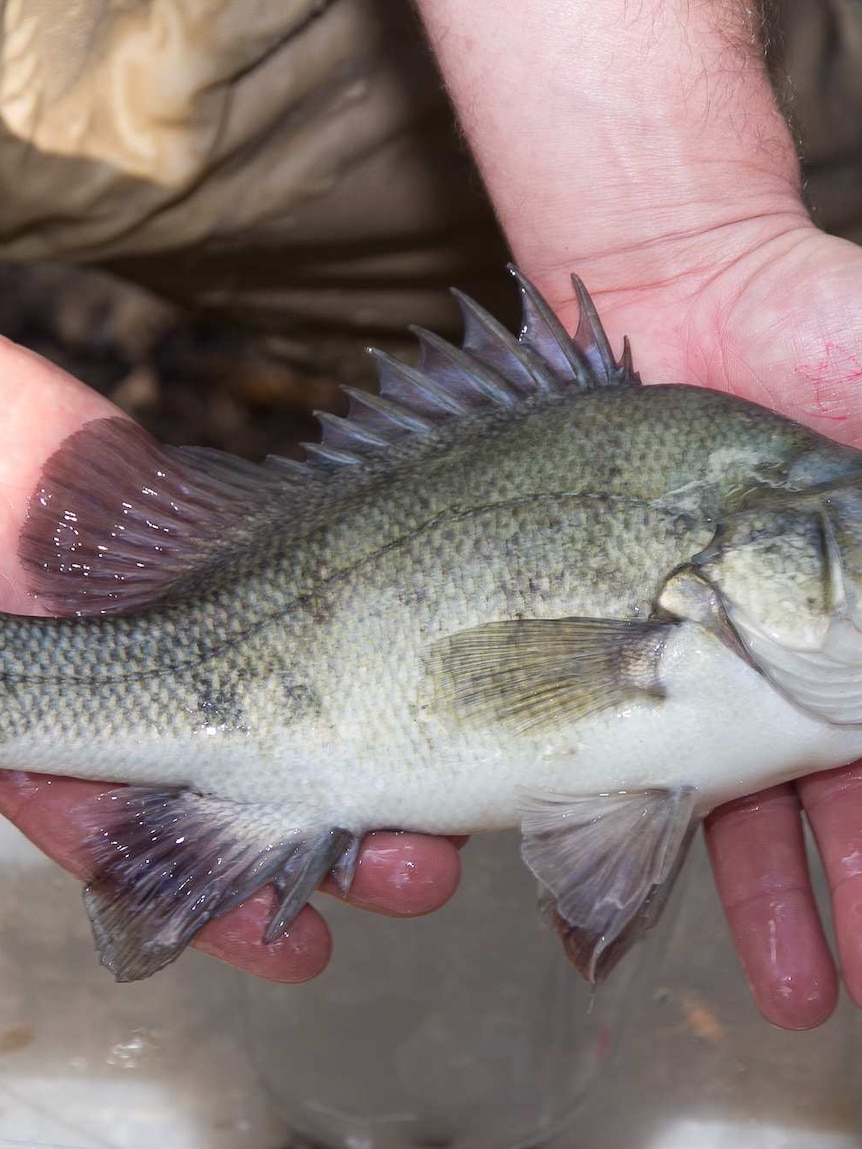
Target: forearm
x,y
619,130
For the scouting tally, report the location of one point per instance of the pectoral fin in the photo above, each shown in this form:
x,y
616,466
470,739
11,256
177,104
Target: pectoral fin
x,y
168,861
608,863
533,673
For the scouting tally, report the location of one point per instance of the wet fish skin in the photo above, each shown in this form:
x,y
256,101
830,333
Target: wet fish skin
x,y
526,588
188,672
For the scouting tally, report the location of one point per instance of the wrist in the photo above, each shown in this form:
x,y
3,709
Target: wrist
x,y
635,144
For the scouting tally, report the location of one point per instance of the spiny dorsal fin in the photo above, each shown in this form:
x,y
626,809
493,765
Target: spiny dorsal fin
x,y
593,344
491,370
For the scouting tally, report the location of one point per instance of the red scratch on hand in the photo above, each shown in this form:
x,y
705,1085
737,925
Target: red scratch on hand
x,y
834,382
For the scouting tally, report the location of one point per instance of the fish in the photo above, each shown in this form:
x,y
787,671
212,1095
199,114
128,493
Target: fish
x,y
516,586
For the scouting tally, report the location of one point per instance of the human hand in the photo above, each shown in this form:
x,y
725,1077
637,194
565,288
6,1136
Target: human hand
x,y
643,148
397,874
791,340
778,323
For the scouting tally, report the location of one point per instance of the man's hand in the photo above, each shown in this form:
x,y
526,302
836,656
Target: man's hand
x,y
779,324
641,146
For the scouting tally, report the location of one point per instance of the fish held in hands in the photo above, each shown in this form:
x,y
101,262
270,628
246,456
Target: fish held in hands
x,y
515,587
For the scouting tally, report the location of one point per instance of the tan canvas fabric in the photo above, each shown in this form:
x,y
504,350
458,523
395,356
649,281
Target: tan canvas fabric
x,y
294,163
822,56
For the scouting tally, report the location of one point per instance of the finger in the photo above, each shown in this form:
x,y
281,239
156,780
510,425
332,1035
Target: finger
x,y
833,804
400,875
41,406
44,809
297,955
758,855
403,875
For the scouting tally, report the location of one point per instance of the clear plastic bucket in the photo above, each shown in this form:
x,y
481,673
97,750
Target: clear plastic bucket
x,y
467,1029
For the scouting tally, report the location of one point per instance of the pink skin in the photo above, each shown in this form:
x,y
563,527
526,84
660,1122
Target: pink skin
x,y
401,875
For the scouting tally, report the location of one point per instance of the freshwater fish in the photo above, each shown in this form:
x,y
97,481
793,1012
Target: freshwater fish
x,y
514,587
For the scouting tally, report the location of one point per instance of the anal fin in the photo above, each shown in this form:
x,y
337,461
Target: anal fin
x,y
608,862
165,862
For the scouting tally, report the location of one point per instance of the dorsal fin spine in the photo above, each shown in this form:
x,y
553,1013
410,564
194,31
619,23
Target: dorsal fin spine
x,y
590,335
492,370
398,380
626,365
330,456
391,413
347,434
546,336
490,342
489,382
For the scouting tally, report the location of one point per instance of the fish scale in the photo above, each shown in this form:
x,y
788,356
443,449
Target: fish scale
x,y
515,586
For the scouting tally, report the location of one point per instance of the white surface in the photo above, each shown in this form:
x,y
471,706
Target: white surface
x,y
90,1064
738,1135
166,1064
31,1145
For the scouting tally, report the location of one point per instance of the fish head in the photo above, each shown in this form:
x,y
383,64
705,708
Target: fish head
x,y
773,567
785,576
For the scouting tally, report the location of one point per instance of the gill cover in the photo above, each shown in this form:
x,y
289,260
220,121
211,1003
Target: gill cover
x,y
788,576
